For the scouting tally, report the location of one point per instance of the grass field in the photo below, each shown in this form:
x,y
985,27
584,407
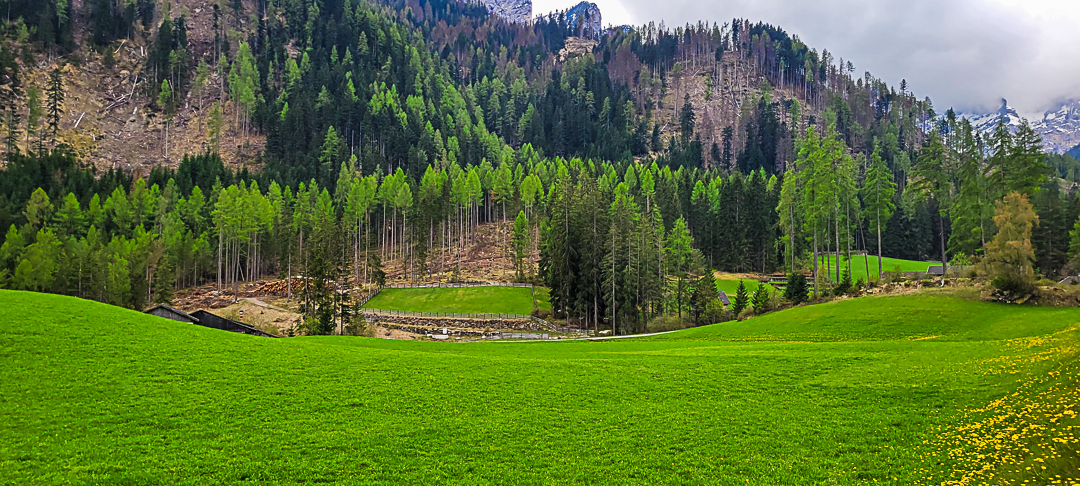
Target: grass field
x,y
898,390
477,300
859,263
729,283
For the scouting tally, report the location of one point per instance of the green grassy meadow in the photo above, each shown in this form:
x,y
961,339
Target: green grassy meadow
x,y
861,391
477,300
859,265
730,286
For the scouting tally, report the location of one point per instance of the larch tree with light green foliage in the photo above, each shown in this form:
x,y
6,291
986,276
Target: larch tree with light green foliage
x,y
165,102
521,244
214,123
39,263
35,115
878,191
403,201
680,254
785,209
38,209
1010,254
817,196
69,217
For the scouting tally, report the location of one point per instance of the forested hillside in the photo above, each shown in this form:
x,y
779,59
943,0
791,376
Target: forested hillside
x,y
366,136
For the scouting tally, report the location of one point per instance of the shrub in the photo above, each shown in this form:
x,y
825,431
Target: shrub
x,y
960,260
358,326
1012,287
797,289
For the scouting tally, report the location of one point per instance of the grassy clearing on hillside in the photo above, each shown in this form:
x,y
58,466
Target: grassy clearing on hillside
x,y
859,264
841,393
729,283
477,300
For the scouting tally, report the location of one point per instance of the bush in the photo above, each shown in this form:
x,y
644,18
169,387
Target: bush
x,y
1012,287
668,323
797,289
358,326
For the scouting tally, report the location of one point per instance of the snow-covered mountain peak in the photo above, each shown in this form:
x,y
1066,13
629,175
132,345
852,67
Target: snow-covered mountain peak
x,y
1059,128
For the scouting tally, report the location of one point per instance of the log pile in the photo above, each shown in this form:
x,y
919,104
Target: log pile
x,y
277,287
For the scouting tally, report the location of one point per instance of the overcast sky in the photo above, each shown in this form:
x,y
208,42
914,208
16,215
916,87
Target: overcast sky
x,y
967,54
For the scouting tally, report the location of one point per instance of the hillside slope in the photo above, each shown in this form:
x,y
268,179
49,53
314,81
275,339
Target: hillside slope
x,y
94,393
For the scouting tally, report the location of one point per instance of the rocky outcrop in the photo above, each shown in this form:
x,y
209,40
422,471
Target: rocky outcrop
x,y
518,11
584,19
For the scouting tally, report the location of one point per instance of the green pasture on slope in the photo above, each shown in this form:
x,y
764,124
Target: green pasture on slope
x,y
730,286
476,300
859,266
842,393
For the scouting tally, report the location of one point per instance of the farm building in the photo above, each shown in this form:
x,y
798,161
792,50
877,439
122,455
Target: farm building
x,y
170,312
204,318
217,322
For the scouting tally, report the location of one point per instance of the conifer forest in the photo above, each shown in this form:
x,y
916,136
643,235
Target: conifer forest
x,y
619,175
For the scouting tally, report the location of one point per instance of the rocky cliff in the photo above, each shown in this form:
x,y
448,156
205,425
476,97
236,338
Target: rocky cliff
x,y
518,11
588,14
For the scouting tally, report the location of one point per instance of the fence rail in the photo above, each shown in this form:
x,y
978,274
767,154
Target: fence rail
x,y
459,315
448,285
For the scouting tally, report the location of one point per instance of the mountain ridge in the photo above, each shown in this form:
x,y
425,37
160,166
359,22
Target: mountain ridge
x,y
1059,128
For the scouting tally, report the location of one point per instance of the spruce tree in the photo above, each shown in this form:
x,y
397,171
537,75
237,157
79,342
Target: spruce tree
x,y
760,300
742,299
55,93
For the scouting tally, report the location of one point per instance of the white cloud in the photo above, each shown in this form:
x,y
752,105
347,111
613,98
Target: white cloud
x,y
965,54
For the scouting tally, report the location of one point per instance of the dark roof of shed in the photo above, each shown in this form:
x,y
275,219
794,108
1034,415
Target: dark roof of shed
x,y
173,310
